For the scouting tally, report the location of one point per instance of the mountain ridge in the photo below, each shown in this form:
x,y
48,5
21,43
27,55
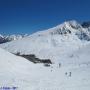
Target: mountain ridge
x,y
66,37
67,27
8,38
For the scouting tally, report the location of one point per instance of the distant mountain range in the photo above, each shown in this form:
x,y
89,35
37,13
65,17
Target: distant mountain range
x,y
82,30
8,38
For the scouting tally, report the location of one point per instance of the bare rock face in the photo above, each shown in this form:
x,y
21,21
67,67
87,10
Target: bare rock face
x,y
34,59
3,39
86,24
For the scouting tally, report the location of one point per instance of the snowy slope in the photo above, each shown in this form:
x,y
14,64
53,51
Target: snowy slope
x,y
52,43
72,74
67,45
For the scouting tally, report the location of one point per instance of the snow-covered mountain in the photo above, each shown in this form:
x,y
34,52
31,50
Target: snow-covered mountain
x,y
55,42
66,45
8,38
81,30
69,28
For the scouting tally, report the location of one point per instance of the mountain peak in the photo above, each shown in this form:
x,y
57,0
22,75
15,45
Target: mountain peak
x,y
71,24
64,28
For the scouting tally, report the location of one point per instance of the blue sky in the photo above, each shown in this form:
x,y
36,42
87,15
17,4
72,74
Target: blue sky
x,y
29,16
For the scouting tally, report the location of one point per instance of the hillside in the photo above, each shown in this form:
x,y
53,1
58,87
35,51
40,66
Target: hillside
x,y
66,45
49,44
71,73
